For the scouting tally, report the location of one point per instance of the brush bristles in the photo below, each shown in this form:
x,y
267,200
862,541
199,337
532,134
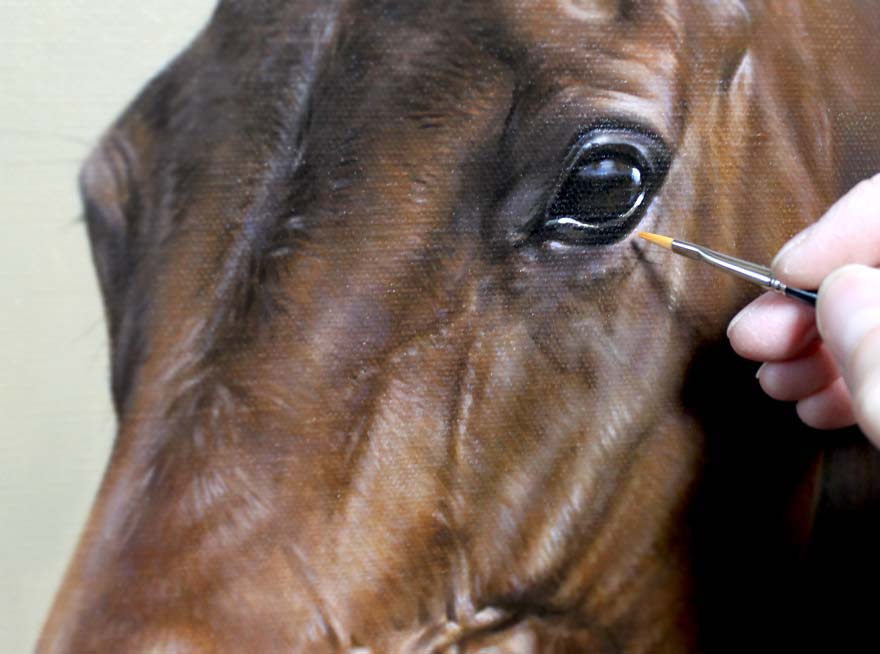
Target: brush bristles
x,y
662,241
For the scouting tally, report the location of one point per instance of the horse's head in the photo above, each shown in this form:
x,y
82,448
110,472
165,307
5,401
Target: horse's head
x,y
392,373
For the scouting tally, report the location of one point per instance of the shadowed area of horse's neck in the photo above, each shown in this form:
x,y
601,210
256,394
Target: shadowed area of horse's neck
x,y
752,513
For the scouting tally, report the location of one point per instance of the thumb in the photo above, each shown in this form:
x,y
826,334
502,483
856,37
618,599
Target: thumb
x,y
848,317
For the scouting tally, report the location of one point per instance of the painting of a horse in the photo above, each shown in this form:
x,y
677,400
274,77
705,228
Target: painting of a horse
x,y
392,372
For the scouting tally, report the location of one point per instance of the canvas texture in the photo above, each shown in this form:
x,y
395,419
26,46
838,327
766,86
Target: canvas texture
x,y
392,371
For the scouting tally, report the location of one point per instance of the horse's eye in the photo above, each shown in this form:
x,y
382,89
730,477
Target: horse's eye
x,y
608,182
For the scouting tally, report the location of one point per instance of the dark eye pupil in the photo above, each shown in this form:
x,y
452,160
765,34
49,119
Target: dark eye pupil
x,y
609,178
602,188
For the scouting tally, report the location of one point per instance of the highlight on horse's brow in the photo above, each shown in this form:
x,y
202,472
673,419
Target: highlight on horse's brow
x,y
592,10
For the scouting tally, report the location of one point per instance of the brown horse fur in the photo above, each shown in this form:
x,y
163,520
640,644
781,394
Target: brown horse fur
x,y
358,414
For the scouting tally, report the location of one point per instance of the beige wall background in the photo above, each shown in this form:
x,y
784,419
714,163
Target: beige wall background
x,y
68,69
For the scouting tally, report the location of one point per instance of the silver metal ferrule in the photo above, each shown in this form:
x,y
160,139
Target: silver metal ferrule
x,y
754,273
777,286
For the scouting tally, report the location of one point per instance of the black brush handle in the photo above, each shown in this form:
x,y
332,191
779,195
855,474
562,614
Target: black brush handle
x,y
805,296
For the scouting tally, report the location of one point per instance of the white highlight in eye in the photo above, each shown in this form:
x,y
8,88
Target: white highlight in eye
x,y
591,10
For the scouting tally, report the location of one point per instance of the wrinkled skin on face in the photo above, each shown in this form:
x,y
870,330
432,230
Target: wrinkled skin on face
x,y
362,408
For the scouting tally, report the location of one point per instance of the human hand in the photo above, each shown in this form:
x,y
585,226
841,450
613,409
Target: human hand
x,y
827,360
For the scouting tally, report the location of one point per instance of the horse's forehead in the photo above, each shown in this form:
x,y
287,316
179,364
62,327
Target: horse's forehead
x,y
267,54
579,24
547,25
573,51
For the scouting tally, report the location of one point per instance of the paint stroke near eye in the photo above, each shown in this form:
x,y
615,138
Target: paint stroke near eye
x,y
591,10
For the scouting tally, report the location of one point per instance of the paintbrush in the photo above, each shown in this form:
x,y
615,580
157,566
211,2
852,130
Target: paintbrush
x,y
752,272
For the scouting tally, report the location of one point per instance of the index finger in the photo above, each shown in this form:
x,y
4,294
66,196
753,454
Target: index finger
x,y
849,232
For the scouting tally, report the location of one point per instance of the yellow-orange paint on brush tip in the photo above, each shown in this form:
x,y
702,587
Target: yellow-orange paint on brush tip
x,y
662,241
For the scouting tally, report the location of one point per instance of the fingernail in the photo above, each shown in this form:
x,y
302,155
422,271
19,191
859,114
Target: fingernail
x,y
743,312
849,307
787,249
827,283
760,370
868,412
